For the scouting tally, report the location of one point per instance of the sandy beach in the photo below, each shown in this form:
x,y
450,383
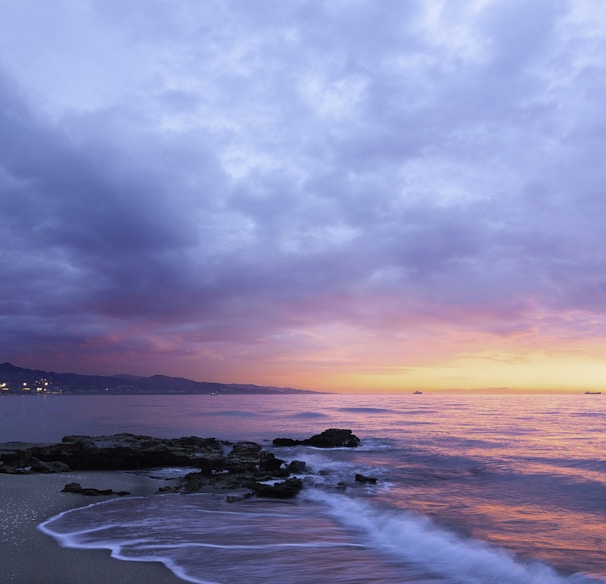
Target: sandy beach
x,y
28,556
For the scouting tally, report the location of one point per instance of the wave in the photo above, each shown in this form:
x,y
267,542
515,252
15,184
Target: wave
x,y
309,415
205,540
237,413
367,410
322,536
414,539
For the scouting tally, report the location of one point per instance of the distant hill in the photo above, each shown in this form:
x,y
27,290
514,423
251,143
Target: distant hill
x,y
16,380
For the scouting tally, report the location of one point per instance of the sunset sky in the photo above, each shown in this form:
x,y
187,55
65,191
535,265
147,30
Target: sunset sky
x,y
340,195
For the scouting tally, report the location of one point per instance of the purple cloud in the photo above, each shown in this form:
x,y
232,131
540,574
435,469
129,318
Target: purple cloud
x,y
177,181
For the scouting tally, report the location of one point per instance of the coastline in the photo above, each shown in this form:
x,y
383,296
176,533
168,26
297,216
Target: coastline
x,y
31,557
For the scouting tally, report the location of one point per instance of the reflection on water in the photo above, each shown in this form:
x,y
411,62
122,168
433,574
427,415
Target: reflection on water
x,y
519,471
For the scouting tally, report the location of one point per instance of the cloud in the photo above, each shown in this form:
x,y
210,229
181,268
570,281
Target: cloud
x,y
201,180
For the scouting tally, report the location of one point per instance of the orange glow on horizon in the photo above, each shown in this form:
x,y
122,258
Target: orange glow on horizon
x,y
355,358
502,369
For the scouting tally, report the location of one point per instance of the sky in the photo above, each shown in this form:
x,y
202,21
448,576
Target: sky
x,y
351,195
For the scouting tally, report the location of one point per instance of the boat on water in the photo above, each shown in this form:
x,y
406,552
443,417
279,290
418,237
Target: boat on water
x,y
417,392
593,393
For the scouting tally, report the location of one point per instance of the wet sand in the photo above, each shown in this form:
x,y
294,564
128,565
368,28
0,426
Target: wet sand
x,y
28,556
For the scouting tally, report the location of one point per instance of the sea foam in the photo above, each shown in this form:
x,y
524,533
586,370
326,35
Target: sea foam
x,y
205,540
410,538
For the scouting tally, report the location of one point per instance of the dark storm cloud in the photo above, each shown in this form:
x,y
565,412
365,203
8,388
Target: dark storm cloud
x,y
228,171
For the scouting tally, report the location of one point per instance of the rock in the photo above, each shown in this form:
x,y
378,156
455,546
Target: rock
x,y
244,466
54,466
244,457
245,450
268,462
91,492
331,438
14,455
216,483
287,489
122,451
334,438
286,442
240,469
364,479
116,452
296,466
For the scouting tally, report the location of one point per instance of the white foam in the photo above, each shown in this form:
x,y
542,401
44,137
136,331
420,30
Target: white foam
x,y
106,525
199,537
74,539
318,462
414,539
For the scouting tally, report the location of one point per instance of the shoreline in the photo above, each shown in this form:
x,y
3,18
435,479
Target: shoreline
x,y
29,556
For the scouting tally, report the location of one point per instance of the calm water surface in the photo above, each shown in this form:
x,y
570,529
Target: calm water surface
x,y
471,489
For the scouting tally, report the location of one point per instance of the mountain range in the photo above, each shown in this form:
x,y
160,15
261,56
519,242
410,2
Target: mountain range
x,y
17,380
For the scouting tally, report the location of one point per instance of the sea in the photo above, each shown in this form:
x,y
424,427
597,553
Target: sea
x,y
471,488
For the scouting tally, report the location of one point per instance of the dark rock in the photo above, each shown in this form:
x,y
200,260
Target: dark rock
x,y
15,455
334,438
296,466
245,466
245,450
364,479
284,490
286,442
215,483
54,466
331,438
244,457
241,469
125,451
90,492
268,462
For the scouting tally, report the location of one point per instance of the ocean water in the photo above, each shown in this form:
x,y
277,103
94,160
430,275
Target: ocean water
x,y
471,489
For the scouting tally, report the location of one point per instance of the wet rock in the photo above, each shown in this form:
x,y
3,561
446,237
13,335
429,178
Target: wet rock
x,y
115,452
334,438
364,479
90,492
245,466
53,466
127,451
244,456
331,438
196,482
287,489
268,462
14,455
296,466
240,469
286,442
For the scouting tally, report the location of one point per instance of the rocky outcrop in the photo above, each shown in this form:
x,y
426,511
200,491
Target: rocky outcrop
x,y
331,438
90,492
243,457
54,466
281,490
116,452
364,479
243,468
296,466
269,463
